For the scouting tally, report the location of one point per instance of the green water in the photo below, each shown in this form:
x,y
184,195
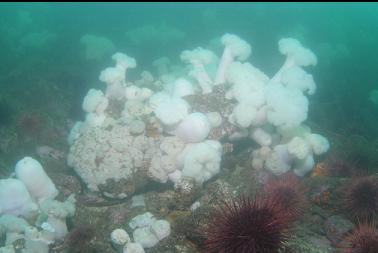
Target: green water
x,y
41,40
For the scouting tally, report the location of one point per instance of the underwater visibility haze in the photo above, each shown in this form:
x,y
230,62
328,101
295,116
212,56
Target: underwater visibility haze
x,y
188,127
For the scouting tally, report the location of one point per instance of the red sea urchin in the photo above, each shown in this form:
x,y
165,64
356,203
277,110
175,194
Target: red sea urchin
x,y
247,226
290,194
361,198
363,239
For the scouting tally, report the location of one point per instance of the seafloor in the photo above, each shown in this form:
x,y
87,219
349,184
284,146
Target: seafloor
x,y
47,123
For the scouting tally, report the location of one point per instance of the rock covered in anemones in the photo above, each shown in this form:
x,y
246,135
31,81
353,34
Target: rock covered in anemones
x,y
217,109
112,160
